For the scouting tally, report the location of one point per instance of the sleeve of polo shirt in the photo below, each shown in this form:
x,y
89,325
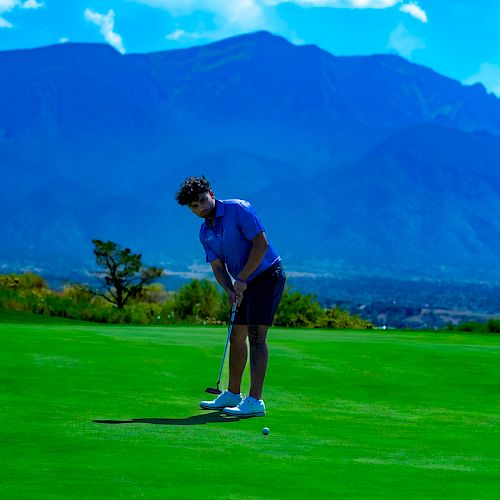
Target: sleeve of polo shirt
x,y
209,253
249,223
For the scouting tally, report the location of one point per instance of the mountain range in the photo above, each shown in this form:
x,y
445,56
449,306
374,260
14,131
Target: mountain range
x,y
366,164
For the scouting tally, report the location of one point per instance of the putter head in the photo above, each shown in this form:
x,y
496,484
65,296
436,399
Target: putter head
x,y
211,390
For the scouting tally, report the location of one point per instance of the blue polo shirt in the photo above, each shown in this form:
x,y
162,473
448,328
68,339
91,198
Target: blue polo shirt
x,y
230,238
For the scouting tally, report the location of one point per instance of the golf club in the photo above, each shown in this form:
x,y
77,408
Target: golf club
x,y
212,390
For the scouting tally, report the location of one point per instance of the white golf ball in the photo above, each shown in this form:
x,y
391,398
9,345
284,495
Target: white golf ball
x,y
265,431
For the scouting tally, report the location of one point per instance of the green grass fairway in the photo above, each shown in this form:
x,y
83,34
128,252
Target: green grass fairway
x,y
352,414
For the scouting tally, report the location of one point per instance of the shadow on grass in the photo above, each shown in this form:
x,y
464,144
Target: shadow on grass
x,y
209,418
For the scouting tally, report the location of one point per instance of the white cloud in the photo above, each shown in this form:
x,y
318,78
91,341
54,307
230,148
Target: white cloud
x,y
243,14
183,35
340,4
404,42
10,5
411,8
106,23
181,7
64,40
295,39
414,10
4,23
488,75
230,17
6,6
32,4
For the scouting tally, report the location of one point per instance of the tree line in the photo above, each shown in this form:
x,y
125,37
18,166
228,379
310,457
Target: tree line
x,y
127,294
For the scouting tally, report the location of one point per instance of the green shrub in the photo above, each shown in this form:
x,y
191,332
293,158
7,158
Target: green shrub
x,y
151,294
472,326
200,300
298,310
338,318
26,281
144,314
167,311
494,325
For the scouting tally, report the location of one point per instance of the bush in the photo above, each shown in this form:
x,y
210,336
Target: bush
x,y
200,301
472,326
151,294
338,318
494,325
143,314
25,292
297,310
26,281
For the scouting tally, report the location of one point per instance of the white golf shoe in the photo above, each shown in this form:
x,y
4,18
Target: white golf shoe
x,y
249,407
227,398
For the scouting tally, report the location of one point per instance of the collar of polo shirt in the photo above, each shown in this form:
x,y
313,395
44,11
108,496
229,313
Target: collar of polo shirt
x,y
219,208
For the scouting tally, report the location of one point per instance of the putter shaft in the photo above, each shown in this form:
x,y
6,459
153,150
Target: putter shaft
x,y
229,330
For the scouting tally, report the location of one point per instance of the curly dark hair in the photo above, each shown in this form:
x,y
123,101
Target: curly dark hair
x,y
191,189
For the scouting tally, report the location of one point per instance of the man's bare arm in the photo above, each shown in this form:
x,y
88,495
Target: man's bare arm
x,y
222,276
259,249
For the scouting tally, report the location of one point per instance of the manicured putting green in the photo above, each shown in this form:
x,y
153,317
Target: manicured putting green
x,y
92,411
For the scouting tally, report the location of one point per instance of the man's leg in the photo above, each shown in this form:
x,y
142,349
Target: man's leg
x,y
257,335
238,354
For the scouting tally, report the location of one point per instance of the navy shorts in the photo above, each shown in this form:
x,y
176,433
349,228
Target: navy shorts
x,y
262,297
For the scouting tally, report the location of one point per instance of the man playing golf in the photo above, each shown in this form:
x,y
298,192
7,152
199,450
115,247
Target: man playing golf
x,y
236,246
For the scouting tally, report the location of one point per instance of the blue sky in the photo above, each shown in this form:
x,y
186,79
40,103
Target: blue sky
x,y
457,38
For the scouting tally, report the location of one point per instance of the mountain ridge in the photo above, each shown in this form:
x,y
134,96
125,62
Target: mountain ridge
x,y
309,137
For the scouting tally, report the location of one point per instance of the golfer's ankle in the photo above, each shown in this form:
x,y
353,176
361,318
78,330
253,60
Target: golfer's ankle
x,y
234,389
